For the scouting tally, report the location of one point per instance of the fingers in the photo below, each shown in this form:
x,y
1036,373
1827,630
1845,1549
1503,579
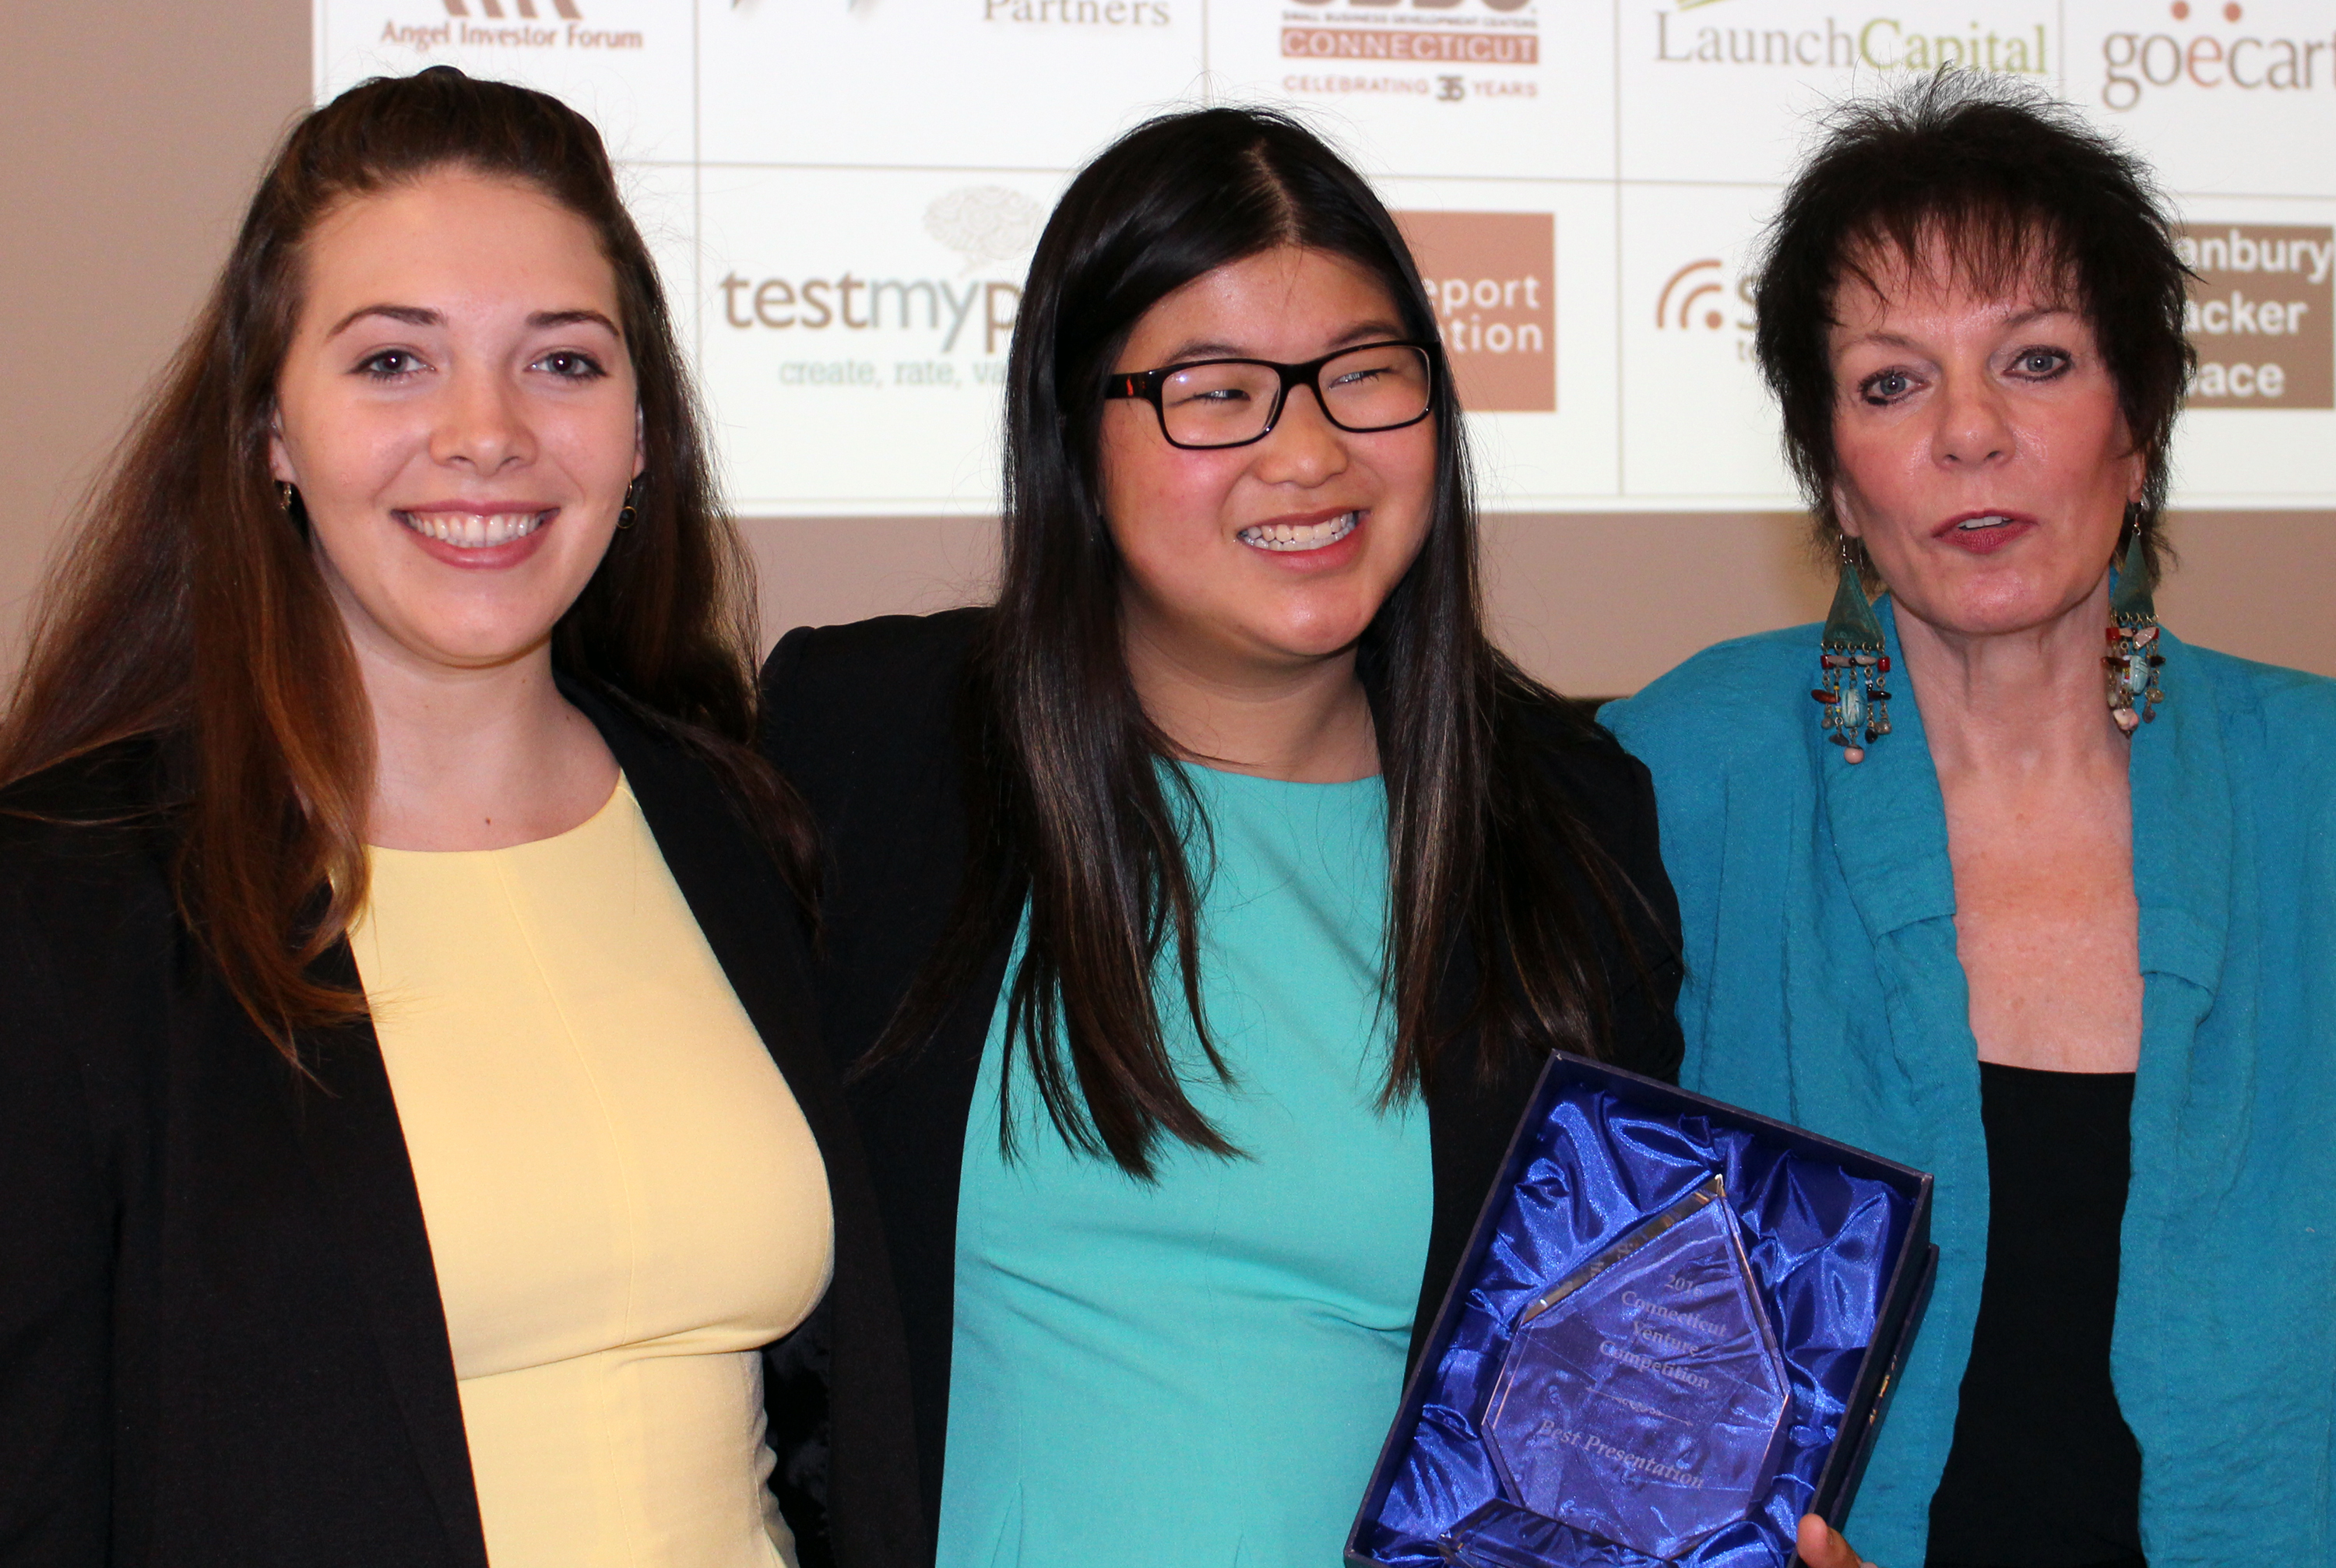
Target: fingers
x,y
1820,1546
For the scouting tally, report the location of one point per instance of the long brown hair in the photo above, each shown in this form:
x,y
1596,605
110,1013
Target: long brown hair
x,y
1072,820
189,607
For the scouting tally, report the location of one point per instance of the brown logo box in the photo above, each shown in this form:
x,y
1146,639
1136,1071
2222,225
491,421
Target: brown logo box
x,y
1492,279
2259,314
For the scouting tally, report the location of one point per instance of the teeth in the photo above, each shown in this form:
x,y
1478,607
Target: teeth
x,y
1984,523
474,530
1286,536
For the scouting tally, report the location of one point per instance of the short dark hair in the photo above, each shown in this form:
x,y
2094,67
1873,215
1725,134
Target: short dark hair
x,y
2010,182
1073,820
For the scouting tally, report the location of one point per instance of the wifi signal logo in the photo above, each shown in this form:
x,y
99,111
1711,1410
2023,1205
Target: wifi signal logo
x,y
1690,297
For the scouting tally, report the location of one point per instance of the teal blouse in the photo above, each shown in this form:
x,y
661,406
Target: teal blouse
x,y
1823,988
1199,1372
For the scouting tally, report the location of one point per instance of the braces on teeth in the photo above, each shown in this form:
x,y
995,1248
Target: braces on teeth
x,y
1284,536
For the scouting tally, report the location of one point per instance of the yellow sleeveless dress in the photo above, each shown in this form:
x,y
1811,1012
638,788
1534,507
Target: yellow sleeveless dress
x,y
623,1199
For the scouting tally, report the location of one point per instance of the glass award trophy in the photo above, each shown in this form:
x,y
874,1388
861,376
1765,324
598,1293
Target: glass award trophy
x,y
1670,1336
1643,1399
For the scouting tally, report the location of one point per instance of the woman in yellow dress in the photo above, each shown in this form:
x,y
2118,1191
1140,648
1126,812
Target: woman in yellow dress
x,y
416,1143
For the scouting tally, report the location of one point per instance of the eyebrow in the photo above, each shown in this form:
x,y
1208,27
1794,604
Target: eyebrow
x,y
2015,319
542,318
1212,348
415,315
412,314
2037,312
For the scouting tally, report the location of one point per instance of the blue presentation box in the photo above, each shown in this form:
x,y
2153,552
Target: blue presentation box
x,y
1673,1333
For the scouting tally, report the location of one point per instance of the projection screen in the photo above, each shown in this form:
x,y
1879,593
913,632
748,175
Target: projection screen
x,y
844,194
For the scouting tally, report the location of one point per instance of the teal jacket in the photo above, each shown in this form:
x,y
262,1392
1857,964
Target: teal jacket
x,y
1823,988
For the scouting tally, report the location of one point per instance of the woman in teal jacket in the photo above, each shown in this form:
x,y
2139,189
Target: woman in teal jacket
x,y
2059,928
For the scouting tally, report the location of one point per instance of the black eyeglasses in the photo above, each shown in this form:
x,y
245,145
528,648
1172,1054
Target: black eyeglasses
x,y
1213,403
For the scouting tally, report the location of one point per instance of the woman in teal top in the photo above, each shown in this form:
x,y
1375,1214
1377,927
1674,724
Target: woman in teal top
x,y
1238,1326
1995,911
1198,915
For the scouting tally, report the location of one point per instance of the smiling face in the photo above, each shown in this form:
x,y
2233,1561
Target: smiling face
x,y
1266,557
1981,454
457,408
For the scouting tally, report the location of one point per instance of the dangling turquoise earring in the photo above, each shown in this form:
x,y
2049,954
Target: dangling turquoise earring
x,y
2133,660
1856,702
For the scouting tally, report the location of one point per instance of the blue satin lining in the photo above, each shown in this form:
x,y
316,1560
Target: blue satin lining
x,y
1821,1242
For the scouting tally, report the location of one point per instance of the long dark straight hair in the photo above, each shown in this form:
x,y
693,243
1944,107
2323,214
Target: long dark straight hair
x,y
1070,818
190,609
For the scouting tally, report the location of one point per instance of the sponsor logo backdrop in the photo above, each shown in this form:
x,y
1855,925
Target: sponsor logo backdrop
x,y
844,194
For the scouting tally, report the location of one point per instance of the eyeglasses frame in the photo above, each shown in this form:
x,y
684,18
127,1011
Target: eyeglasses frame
x,y
1147,384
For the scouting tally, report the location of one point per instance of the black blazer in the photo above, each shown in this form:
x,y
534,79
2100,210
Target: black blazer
x,y
864,719
220,1336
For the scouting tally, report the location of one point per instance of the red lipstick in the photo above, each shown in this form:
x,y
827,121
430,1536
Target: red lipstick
x,y
1983,530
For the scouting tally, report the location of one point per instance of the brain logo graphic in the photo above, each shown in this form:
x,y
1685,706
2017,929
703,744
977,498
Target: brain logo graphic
x,y
984,223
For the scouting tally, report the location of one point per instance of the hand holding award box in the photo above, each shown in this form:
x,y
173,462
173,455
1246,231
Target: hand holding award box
x,y
1671,1336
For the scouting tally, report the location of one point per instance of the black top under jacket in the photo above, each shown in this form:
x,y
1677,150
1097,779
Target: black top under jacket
x,y
2044,1473
221,1337
866,721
